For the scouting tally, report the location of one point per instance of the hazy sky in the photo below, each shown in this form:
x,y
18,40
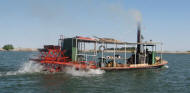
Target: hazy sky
x,y
33,23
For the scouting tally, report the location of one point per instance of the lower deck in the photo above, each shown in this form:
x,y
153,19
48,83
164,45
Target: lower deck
x,y
59,66
137,66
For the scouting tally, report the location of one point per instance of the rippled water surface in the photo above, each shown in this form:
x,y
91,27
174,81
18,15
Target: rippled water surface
x,y
19,75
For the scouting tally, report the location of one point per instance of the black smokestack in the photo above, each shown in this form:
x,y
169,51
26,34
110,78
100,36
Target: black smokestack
x,y
138,39
138,57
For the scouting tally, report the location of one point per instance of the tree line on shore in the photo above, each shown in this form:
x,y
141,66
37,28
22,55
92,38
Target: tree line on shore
x,y
122,48
8,47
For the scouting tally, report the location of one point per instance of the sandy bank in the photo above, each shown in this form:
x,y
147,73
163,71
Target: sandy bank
x,y
22,49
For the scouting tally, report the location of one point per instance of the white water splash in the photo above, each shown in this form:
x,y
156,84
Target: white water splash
x,y
166,66
89,72
29,67
33,67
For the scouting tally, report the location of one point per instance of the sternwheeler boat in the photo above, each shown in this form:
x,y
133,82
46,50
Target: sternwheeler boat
x,y
101,53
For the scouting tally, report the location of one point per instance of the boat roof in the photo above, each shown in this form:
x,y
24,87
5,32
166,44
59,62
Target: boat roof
x,y
112,41
99,40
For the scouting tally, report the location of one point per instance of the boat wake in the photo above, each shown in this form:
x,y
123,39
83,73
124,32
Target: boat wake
x,y
90,72
33,67
26,68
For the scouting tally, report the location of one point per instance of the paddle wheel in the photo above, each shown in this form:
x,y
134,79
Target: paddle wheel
x,y
53,53
54,60
50,55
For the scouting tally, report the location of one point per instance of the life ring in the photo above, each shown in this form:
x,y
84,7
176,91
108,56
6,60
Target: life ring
x,y
101,48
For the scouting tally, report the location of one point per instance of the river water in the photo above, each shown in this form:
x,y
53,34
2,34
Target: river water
x,y
19,75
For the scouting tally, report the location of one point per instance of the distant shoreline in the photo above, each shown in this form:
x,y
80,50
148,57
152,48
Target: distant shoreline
x,y
22,49
163,52
178,52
